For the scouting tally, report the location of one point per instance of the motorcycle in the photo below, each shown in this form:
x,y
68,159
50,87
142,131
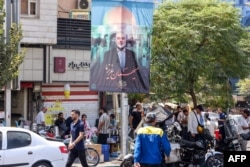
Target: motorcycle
x,y
230,138
128,160
48,131
185,152
173,131
161,117
201,152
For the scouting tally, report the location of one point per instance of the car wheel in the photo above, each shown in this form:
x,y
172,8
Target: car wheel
x,y
42,164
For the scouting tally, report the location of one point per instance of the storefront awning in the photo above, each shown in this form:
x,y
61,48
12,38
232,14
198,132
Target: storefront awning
x,y
26,84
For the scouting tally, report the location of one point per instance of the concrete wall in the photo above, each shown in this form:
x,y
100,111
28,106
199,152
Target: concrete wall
x,y
43,28
75,56
32,67
65,6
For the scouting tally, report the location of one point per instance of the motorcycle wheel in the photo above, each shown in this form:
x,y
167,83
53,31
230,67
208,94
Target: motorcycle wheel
x,y
127,163
215,161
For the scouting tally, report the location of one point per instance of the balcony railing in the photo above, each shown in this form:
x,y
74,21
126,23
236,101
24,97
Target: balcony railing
x,y
73,33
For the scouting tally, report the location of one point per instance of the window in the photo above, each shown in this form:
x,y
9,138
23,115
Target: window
x,y
17,139
29,8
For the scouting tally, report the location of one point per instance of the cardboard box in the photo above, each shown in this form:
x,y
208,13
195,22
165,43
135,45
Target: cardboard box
x,y
97,147
113,148
101,158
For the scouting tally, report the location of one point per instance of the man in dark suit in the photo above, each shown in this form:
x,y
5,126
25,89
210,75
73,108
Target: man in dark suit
x,y
119,71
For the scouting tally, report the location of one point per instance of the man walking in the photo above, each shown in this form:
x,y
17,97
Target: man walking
x,y
150,142
76,145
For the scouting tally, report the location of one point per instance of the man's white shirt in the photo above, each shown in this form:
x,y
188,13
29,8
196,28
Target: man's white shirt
x,y
192,122
40,117
242,123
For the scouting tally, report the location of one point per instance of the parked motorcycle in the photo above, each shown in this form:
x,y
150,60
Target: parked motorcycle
x,y
128,160
173,132
201,152
48,131
230,139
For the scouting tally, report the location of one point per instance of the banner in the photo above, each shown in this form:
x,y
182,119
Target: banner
x,y
120,45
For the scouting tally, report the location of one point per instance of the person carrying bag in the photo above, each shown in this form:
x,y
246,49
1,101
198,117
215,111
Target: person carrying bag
x,y
195,124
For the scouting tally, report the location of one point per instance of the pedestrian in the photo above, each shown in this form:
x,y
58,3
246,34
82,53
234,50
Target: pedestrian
x,y
195,123
61,124
40,118
113,123
76,144
103,127
85,122
184,123
68,122
136,116
243,128
150,143
222,117
178,111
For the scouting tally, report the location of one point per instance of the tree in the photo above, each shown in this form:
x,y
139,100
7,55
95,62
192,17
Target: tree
x,y
244,87
10,57
196,46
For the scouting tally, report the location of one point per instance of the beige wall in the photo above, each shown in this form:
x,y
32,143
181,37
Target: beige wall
x,y
32,67
41,29
71,55
65,6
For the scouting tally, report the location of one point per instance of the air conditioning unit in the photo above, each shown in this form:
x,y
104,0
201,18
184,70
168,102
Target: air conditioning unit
x,y
84,5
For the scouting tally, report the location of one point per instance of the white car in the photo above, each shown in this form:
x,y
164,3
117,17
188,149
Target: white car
x,y
21,147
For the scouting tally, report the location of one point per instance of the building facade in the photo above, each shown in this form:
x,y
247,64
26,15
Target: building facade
x,y
57,58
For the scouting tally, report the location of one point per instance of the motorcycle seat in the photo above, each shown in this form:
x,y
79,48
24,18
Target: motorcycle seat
x,y
191,145
186,143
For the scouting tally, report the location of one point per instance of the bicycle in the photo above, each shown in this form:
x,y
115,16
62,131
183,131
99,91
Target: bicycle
x,y
92,156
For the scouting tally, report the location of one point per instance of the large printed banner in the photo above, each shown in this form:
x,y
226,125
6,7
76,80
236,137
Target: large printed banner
x,y
120,47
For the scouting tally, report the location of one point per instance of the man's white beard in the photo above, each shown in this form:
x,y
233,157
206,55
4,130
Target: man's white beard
x,y
121,48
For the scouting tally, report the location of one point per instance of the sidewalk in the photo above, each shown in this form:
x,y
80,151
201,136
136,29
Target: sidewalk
x,y
112,163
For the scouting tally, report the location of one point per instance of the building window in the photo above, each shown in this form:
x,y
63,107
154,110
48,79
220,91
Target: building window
x,y
29,8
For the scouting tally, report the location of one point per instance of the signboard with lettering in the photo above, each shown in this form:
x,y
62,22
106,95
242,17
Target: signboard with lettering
x,y
59,64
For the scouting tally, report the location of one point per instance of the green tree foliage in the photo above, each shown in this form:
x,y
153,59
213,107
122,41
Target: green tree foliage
x,y
10,57
244,87
196,45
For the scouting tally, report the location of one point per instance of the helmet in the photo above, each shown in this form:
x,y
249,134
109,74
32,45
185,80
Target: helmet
x,y
200,129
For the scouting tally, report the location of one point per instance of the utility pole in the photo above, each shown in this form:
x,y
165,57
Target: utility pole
x,y
124,124
12,16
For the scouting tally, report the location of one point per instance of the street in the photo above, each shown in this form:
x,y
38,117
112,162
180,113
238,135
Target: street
x,y
116,163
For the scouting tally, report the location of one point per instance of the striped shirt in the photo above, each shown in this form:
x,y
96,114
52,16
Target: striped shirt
x,y
104,118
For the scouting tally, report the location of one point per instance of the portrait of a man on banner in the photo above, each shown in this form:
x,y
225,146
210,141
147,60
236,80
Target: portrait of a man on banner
x,y
120,51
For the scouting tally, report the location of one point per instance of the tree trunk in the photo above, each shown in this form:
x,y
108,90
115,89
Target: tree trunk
x,y
194,99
